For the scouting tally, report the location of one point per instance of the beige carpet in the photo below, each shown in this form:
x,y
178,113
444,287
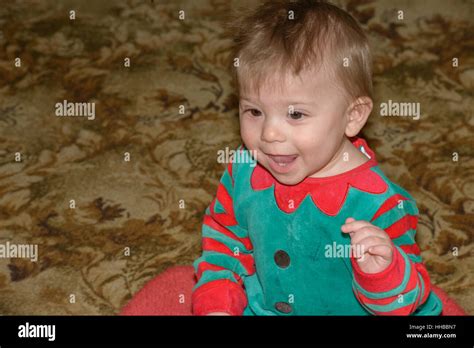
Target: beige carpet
x,y
136,204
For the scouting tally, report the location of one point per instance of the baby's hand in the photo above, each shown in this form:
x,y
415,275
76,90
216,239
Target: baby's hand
x,y
218,313
374,244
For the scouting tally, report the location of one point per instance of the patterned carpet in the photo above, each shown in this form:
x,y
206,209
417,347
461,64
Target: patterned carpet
x,y
84,266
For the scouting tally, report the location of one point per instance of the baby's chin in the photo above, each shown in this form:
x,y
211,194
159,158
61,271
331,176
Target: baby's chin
x,y
287,179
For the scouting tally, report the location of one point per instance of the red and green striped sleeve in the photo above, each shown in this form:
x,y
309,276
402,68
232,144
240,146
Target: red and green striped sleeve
x,y
226,256
404,285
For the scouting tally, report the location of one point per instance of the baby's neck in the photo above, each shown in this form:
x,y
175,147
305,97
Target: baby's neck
x,y
347,157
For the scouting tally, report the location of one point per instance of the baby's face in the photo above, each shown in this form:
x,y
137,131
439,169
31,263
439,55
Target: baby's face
x,y
296,132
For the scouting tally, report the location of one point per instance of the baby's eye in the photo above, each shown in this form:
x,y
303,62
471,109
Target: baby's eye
x,y
295,115
252,112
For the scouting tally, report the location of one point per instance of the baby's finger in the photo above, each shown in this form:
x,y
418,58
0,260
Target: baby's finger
x,y
382,250
365,232
361,234
349,219
364,246
354,225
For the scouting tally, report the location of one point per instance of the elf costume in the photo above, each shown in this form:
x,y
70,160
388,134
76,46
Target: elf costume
x,y
274,249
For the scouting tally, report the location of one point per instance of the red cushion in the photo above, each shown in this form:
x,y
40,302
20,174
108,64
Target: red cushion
x,y
450,307
169,293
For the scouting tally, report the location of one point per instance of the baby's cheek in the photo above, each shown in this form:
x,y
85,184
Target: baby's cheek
x,y
249,135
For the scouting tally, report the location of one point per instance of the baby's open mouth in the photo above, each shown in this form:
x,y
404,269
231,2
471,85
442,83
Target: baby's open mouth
x,y
281,164
282,160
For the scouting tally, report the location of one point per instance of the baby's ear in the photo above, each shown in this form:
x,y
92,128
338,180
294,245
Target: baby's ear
x,y
357,114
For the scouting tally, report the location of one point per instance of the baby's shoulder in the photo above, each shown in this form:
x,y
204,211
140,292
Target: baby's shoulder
x,y
393,187
394,195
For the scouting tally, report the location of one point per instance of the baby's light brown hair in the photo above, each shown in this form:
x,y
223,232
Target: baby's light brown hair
x,y
281,37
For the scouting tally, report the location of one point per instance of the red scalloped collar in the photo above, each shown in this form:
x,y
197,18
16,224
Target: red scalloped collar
x,y
328,193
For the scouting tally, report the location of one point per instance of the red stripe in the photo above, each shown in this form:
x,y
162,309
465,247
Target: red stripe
x,y
209,221
219,296
246,260
412,282
227,218
419,296
410,249
383,281
382,301
416,269
389,204
406,310
225,199
206,266
421,269
229,170
401,226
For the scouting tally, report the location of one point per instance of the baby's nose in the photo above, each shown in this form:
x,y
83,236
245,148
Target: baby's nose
x,y
272,132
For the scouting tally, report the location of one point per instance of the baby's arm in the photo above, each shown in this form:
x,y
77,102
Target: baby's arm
x,y
226,257
403,283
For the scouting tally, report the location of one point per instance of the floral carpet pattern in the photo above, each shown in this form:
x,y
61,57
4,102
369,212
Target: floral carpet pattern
x,y
132,219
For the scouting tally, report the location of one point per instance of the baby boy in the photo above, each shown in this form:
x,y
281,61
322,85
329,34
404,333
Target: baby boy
x,y
305,222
